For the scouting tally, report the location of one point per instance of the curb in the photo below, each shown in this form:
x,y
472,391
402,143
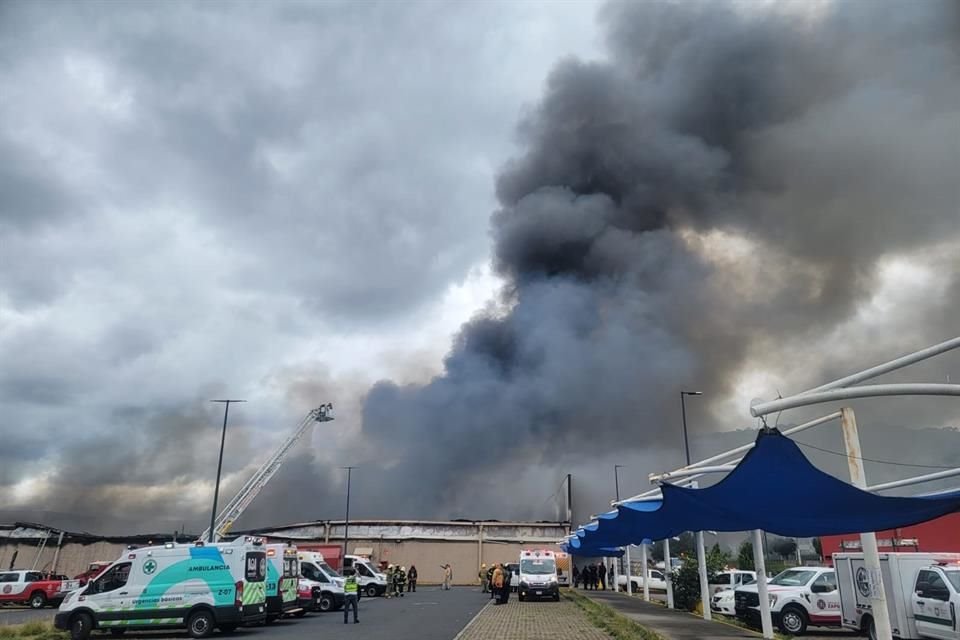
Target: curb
x,y
470,624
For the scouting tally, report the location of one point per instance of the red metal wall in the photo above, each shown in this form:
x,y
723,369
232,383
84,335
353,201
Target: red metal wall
x,y
942,534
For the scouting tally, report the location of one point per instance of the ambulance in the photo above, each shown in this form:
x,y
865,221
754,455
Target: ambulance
x,y
538,576
372,582
320,587
196,586
283,574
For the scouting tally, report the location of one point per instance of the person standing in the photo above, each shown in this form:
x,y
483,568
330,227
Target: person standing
x,y
485,586
388,593
490,580
412,578
507,579
351,596
602,575
402,580
447,576
593,577
496,585
575,576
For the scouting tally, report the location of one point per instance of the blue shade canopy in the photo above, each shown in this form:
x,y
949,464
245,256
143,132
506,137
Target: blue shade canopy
x,y
575,547
774,488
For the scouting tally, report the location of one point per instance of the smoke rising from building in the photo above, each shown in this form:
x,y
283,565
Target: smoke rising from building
x,y
729,179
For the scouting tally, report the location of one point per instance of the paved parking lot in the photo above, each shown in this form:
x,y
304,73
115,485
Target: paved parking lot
x,y
429,614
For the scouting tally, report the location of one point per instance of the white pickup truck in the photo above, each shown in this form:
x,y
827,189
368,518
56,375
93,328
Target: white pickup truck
x,y
656,581
798,597
922,592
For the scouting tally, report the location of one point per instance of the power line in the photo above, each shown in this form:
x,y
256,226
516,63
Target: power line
x,y
890,462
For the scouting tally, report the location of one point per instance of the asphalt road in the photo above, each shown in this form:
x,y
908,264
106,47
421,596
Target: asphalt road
x,y
428,614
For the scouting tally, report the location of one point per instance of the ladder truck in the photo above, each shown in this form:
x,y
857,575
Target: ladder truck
x,y
249,491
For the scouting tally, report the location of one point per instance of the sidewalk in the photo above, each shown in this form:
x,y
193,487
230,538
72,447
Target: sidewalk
x,y
671,624
532,621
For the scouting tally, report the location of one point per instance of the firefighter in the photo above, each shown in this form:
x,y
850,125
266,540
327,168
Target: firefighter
x,y
484,582
490,580
401,577
389,591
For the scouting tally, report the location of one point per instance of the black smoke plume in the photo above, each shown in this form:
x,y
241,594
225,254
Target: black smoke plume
x,y
729,178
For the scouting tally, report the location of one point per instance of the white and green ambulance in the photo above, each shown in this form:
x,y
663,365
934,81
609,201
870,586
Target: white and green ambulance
x,y
283,573
197,586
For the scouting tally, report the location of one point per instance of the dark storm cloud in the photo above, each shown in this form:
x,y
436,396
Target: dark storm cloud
x,y
801,130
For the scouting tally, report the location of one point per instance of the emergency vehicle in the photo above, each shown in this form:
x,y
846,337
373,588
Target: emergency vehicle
x,y
283,574
538,575
320,588
33,588
372,582
196,586
94,569
922,591
798,597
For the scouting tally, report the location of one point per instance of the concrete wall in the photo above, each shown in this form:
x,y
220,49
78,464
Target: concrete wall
x,y
429,555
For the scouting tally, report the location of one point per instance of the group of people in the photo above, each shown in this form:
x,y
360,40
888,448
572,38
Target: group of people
x,y
593,577
496,580
400,580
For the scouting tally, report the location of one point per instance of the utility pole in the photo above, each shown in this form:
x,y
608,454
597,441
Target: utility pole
x,y
216,489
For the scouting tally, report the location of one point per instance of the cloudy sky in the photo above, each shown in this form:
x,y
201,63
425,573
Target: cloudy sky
x,y
498,236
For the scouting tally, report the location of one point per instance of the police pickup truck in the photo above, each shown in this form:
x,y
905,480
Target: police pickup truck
x,y
798,597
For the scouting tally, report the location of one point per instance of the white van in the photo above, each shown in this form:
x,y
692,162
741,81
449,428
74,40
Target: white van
x,y
320,587
922,590
372,582
538,576
196,586
283,573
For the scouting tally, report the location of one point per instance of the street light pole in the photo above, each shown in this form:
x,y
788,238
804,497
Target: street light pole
x,y
683,410
216,488
346,521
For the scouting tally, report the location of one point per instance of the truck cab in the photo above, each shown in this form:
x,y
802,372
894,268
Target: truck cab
x,y
320,587
372,582
936,601
731,579
798,597
33,588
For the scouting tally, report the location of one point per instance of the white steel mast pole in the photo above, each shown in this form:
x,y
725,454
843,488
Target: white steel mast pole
x,y
629,573
704,587
868,541
668,571
643,561
760,566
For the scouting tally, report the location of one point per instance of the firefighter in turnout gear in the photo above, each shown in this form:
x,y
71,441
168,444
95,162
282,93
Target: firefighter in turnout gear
x,y
400,580
391,570
351,596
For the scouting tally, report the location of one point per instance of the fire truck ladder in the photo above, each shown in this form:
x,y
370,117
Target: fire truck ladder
x,y
239,503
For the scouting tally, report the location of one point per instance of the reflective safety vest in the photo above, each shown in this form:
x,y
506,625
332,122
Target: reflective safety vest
x,y
350,586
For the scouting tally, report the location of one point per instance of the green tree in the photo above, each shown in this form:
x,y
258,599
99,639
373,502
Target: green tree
x,y
686,579
745,556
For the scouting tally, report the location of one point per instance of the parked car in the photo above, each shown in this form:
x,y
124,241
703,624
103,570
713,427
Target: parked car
x,y
724,602
798,597
731,579
656,581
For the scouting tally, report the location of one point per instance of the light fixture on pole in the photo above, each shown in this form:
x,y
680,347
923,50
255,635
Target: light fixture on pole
x,y
683,410
216,487
346,520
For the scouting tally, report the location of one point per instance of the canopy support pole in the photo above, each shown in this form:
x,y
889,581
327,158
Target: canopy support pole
x,y
643,561
704,587
868,541
616,573
760,566
629,573
668,571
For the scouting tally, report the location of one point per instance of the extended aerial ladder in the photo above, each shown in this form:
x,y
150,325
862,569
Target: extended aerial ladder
x,y
253,486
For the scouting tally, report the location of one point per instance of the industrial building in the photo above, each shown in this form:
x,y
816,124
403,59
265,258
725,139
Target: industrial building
x,y
464,544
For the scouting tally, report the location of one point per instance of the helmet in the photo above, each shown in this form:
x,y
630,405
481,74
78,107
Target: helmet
x,y
403,568
483,566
